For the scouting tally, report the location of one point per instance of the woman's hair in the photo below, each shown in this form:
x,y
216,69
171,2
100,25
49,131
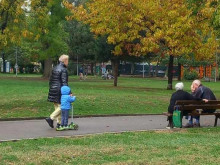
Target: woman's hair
x,y
179,86
63,58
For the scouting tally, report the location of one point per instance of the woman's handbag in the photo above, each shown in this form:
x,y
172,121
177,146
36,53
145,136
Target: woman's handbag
x,y
177,118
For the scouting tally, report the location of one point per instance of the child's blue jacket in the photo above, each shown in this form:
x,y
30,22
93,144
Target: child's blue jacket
x,y
66,99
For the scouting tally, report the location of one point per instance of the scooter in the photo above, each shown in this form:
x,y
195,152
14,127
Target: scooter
x,y
73,126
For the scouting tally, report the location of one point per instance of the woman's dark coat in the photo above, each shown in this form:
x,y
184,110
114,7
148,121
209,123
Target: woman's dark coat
x,y
59,78
180,95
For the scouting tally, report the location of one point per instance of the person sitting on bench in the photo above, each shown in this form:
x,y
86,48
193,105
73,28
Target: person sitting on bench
x,y
202,92
180,94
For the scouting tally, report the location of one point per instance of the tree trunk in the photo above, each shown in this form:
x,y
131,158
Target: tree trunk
x,y
95,73
156,69
149,69
132,68
4,65
92,68
170,73
47,68
115,64
179,72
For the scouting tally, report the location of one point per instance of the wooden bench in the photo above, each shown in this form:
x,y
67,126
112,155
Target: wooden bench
x,y
195,108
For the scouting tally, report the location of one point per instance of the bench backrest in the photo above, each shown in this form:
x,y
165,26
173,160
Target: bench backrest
x,y
193,104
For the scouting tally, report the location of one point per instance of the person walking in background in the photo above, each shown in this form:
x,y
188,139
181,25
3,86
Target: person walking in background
x,y
66,100
59,78
202,92
81,73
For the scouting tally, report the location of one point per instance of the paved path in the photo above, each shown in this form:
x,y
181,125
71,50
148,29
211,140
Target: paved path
x,y
26,129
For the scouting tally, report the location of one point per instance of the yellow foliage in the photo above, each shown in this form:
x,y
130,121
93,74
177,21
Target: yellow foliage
x,y
37,37
11,32
154,23
15,20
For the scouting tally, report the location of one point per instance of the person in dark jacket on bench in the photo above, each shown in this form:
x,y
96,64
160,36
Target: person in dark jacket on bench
x,y
202,92
180,94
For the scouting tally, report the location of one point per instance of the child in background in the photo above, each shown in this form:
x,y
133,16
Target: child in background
x,y
66,100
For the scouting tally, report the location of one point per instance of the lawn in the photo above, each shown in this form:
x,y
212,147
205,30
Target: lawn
x,y
191,146
26,96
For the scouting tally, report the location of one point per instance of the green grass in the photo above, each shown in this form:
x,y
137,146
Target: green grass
x,y
192,146
27,96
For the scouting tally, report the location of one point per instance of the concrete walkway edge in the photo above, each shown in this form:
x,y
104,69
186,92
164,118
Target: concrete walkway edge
x,y
75,116
33,129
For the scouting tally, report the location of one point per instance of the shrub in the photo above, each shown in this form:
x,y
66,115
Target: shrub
x,y
29,68
190,75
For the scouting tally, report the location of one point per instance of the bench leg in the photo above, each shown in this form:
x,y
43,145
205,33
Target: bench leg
x,y
216,120
181,119
170,119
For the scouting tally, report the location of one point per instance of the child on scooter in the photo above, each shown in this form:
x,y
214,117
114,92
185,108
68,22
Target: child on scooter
x,y
66,100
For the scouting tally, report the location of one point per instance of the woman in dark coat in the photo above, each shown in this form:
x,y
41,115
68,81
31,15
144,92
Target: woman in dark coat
x,y
178,95
59,78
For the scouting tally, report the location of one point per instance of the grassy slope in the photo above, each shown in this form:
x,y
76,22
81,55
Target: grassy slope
x,y
192,146
26,97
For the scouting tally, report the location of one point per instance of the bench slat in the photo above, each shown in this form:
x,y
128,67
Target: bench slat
x,y
193,114
187,102
193,107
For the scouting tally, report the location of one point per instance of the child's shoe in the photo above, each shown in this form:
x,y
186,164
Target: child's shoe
x,y
58,125
66,127
196,125
188,125
60,128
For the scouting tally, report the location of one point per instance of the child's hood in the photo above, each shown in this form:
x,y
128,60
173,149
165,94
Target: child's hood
x,y
65,90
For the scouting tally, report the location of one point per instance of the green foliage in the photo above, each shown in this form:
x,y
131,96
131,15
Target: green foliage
x,y
190,75
81,41
45,36
85,45
105,50
53,37
216,20
196,5
38,33
29,68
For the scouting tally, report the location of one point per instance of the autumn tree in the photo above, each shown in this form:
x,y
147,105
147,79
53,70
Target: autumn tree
x,y
138,27
12,24
46,20
216,19
37,24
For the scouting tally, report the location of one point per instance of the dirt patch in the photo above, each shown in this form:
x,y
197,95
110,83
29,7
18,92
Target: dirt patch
x,y
24,78
180,130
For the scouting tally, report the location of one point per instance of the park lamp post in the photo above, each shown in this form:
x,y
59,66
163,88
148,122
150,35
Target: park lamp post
x,y
77,65
16,62
143,70
216,60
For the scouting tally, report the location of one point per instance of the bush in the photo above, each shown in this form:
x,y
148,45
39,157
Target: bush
x,y
72,68
190,75
29,68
